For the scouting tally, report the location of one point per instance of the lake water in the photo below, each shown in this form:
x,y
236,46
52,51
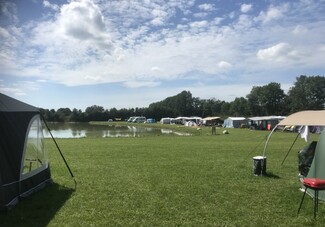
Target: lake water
x,y
79,130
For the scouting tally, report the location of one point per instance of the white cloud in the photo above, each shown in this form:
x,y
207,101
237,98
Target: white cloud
x,y
300,30
201,15
47,4
87,43
245,8
9,41
224,65
279,52
19,88
273,13
159,17
83,21
157,21
79,23
199,24
206,7
138,84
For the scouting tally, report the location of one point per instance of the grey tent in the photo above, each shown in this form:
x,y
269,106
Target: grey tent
x,y
309,118
24,166
234,122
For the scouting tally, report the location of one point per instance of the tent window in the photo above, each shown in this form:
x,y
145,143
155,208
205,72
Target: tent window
x,y
35,155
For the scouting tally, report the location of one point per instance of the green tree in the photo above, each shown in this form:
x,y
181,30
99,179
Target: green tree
x,y
274,99
76,116
267,100
62,115
178,105
95,113
225,108
308,93
239,107
254,103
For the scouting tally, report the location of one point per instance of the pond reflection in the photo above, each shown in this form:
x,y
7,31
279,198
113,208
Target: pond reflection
x,y
80,130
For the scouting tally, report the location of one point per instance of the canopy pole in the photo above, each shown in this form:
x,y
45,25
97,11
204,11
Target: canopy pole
x,y
268,139
57,146
290,149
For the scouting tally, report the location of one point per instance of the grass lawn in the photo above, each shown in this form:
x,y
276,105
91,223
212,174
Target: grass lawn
x,y
199,180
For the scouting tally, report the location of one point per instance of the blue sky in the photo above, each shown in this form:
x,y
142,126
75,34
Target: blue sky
x,y
130,53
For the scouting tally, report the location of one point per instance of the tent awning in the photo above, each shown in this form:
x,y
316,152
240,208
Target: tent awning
x,y
309,117
210,118
237,118
266,118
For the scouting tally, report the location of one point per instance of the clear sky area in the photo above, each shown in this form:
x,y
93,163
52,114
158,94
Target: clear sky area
x,y
130,53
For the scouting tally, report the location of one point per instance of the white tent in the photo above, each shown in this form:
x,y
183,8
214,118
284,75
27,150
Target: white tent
x,y
211,120
234,122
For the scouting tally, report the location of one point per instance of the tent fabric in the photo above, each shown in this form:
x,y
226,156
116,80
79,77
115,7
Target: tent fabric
x,y
317,168
16,120
8,104
309,117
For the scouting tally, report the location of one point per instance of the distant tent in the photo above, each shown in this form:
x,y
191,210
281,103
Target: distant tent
x,y
166,120
265,122
234,122
212,121
24,165
151,120
186,120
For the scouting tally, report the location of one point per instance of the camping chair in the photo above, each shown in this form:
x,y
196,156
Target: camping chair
x,y
315,184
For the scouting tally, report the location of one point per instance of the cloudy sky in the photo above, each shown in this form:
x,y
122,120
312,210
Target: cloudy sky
x,y
130,53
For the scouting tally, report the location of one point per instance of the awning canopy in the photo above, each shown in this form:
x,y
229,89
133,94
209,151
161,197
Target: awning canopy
x,y
210,118
309,117
266,118
237,118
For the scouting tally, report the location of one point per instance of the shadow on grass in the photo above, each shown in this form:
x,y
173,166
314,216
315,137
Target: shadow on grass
x,y
271,175
38,209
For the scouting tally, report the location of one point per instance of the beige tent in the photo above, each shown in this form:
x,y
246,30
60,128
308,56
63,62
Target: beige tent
x,y
309,117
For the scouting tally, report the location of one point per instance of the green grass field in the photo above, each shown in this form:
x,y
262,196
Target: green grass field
x,y
199,180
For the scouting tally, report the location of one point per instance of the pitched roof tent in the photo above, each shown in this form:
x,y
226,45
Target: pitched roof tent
x,y
8,104
234,122
24,167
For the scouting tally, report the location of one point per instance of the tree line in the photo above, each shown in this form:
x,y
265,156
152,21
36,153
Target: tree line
x,y
307,93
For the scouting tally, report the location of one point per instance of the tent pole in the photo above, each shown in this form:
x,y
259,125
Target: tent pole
x,y
290,149
268,139
266,143
57,146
